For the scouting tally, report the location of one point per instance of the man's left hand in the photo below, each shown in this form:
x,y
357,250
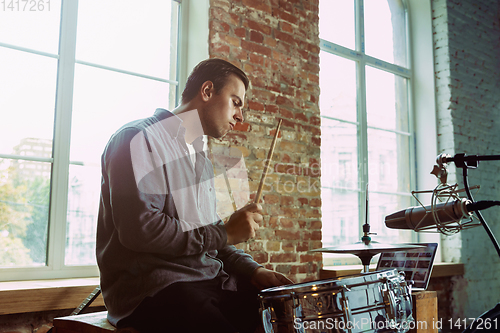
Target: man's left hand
x,y
264,278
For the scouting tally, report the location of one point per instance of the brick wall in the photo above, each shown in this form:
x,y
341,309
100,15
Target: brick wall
x,y
276,43
467,64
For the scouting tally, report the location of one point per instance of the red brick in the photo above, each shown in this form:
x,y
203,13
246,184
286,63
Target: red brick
x,y
287,223
303,201
316,225
286,234
313,78
273,222
287,16
242,127
301,116
253,47
286,113
286,200
284,257
288,246
220,14
309,257
271,199
272,108
269,41
302,247
219,26
316,202
265,29
256,36
252,105
240,32
284,101
260,257
261,5
220,48
314,235
263,96
315,121
238,53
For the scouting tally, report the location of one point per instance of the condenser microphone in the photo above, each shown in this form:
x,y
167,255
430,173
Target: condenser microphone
x,y
419,217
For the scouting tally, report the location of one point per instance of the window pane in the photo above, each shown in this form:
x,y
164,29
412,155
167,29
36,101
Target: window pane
x,y
336,22
386,100
382,205
385,30
83,203
130,35
24,212
388,161
339,182
339,155
103,102
94,121
337,82
340,215
30,26
27,101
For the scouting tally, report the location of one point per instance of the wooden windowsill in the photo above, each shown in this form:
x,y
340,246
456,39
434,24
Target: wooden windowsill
x,y
46,295
439,270
60,294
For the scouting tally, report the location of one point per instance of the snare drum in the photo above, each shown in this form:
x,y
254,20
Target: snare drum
x,y
369,302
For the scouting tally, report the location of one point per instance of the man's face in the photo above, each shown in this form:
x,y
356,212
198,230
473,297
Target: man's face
x,y
224,108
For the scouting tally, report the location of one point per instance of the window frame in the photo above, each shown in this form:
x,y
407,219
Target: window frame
x,y
362,60
192,24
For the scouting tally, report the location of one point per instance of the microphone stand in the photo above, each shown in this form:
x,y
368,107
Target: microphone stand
x,y
478,213
466,162
471,162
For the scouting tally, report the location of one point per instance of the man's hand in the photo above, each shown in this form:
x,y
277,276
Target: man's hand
x,y
264,278
243,224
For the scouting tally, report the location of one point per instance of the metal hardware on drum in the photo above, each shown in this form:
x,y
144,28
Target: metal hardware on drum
x,y
359,303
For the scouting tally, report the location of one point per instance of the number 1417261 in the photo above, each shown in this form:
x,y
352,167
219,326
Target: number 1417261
x,y
25,5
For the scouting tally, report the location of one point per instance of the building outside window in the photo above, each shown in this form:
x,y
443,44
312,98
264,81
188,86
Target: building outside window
x,y
365,81
72,73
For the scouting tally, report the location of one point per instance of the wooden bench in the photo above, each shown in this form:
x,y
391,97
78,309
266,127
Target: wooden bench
x,y
96,322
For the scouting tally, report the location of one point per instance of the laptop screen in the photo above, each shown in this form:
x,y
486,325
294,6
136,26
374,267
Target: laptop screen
x,y
415,263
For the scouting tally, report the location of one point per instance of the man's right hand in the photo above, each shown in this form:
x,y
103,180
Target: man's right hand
x,y
243,224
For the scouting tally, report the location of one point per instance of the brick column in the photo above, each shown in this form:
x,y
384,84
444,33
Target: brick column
x,y
276,43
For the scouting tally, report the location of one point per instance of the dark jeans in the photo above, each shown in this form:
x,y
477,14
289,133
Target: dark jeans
x,y
200,307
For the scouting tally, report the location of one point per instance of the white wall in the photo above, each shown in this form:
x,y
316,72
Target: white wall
x,y
467,73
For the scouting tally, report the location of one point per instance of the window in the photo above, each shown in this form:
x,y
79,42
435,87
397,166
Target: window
x,y
366,126
72,73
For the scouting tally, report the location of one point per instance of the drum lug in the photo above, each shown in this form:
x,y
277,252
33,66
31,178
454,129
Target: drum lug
x,y
346,308
389,300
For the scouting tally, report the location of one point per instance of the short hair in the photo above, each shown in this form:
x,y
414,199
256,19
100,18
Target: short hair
x,y
215,70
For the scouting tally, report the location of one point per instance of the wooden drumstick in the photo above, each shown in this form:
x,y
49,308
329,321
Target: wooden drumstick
x,y
268,162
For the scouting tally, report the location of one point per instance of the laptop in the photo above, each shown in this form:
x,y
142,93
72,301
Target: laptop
x,y
415,263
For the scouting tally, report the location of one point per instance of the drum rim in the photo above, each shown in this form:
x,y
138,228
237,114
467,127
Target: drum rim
x,y
328,284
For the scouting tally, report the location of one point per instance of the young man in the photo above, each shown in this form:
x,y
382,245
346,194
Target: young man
x,y
167,262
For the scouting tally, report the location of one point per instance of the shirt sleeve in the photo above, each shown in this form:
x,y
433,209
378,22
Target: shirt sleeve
x,y
138,215
237,261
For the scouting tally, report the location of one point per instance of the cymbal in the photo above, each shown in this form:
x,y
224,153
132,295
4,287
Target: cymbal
x,y
372,248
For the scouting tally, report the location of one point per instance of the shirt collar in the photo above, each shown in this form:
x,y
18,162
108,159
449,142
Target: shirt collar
x,y
174,123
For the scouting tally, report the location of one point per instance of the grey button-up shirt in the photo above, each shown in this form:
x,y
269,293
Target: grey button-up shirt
x,y
157,223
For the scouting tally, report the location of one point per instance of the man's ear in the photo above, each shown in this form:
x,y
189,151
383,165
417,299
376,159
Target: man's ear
x,y
207,90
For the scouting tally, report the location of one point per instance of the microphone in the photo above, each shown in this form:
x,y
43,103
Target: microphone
x,y
419,217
